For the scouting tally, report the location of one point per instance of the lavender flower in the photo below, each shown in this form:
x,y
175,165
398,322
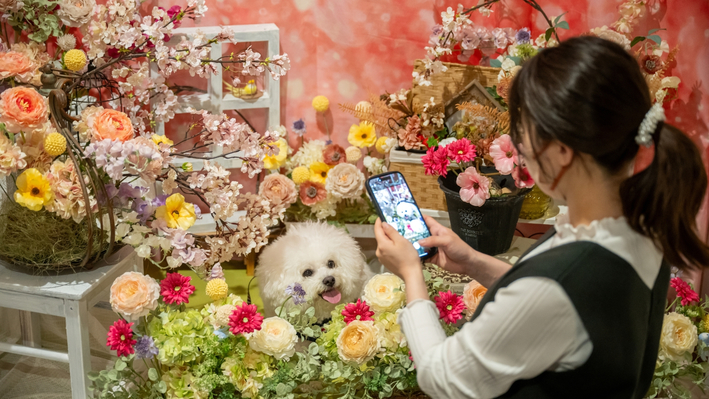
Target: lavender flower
x,y
299,127
523,36
297,292
145,348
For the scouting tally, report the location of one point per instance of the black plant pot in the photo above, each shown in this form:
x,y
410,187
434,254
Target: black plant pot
x,y
488,228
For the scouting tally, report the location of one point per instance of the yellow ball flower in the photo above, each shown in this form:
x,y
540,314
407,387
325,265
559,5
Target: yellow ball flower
x,y
353,154
321,103
54,144
362,135
217,289
318,172
33,190
381,142
277,160
157,139
176,212
301,174
75,60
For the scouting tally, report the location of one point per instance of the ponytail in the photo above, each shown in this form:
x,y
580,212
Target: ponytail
x,y
662,201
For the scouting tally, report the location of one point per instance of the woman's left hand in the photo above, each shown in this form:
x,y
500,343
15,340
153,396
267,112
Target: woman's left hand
x,y
396,252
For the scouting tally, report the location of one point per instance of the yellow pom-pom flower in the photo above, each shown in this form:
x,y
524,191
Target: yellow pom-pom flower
x,y
318,172
54,144
33,190
300,175
362,135
321,103
353,154
75,60
157,139
279,158
176,212
217,289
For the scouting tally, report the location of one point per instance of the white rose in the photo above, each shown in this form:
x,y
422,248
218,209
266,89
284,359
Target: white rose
x,y
606,33
134,295
443,143
384,293
358,342
276,338
143,251
679,337
76,13
508,64
345,181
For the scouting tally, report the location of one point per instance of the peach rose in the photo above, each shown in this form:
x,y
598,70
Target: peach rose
x,y
472,295
134,295
358,342
278,189
22,108
111,124
17,64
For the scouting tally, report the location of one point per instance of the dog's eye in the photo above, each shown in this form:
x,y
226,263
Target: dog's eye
x,y
331,264
307,273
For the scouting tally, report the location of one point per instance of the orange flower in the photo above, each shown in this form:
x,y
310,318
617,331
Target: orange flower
x,y
472,295
22,108
13,63
111,124
311,193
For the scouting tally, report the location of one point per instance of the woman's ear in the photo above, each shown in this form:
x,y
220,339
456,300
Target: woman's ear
x,y
561,154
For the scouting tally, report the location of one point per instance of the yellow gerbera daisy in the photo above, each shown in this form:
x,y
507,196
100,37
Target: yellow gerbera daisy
x,y
33,190
157,139
362,135
176,212
277,160
301,174
318,172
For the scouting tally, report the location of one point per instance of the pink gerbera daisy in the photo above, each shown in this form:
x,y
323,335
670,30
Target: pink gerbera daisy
x,y
120,338
461,151
474,188
357,311
450,306
176,288
245,319
503,154
684,291
436,162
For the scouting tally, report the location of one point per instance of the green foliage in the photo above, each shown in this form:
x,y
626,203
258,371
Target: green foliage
x,y
360,211
123,382
37,19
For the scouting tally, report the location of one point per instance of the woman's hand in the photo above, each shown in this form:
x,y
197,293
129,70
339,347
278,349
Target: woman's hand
x,y
453,253
396,252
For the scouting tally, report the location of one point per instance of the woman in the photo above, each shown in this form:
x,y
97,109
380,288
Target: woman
x,y
580,314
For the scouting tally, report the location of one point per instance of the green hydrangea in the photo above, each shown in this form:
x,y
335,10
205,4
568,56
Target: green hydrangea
x,y
180,384
247,373
178,336
526,51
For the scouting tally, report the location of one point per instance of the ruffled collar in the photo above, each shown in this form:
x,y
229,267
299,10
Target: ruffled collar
x,y
602,228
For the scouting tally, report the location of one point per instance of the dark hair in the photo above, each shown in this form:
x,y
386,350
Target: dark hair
x,y
589,94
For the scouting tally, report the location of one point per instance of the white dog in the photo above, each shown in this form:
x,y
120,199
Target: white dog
x,y
323,259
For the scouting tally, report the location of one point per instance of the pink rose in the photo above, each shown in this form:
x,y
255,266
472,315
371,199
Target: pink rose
x,y
278,189
503,154
17,64
111,124
134,295
474,188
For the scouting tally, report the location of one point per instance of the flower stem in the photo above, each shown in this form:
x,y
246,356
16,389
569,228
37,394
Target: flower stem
x,y
284,304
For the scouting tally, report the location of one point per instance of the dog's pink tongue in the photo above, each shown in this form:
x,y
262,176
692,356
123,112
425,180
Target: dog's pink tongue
x,y
332,296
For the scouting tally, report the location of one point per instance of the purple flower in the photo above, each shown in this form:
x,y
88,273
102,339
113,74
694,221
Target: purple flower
x,y
297,292
145,348
299,127
523,36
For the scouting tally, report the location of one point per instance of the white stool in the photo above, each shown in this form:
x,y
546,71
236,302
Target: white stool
x,y
66,295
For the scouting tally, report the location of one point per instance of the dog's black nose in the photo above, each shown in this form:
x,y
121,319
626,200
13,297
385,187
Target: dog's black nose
x,y
329,281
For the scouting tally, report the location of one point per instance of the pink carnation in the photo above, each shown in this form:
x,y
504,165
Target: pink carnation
x,y
357,311
474,188
503,154
684,291
120,338
245,319
176,288
436,161
522,177
450,306
461,151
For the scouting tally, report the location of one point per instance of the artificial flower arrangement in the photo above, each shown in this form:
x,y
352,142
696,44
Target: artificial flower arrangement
x,y
227,349
92,161
321,179
683,358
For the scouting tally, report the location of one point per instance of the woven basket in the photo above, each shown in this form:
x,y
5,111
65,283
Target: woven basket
x,y
425,188
446,85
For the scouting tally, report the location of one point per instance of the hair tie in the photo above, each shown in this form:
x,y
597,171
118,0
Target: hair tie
x,y
655,115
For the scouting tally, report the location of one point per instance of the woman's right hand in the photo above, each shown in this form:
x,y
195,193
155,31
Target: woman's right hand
x,y
453,255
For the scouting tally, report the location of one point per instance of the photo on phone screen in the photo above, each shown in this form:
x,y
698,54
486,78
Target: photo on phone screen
x,y
397,206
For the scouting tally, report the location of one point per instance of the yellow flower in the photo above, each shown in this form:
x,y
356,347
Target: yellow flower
x,y
75,60
358,342
318,172
33,190
157,139
176,212
381,142
353,154
301,174
679,337
217,289
54,144
277,160
321,103
187,167
384,293
362,135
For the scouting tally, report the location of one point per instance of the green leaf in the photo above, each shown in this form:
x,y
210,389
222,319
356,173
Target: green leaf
x,y
548,33
120,365
637,40
153,374
563,25
112,375
651,31
655,38
496,63
431,142
517,60
162,387
556,20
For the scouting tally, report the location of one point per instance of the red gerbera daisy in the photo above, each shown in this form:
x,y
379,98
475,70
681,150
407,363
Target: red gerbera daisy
x,y
450,306
357,311
684,291
120,338
245,319
176,288
436,162
461,150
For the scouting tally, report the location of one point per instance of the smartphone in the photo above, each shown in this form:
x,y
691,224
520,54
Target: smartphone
x,y
396,205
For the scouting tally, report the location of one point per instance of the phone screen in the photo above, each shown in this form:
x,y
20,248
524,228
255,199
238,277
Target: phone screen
x,y
398,207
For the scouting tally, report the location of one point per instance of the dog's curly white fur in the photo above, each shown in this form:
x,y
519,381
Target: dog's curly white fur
x,y
323,259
